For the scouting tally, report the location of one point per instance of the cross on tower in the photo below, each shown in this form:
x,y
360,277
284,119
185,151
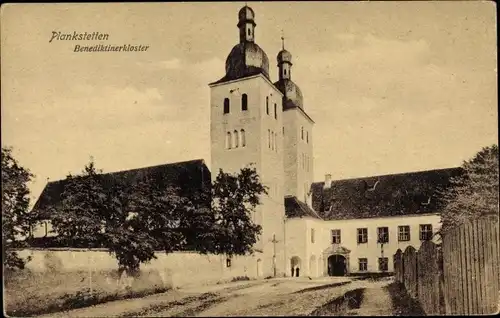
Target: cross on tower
x,y
282,40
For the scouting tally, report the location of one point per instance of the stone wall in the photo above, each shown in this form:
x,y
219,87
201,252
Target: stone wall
x,y
174,270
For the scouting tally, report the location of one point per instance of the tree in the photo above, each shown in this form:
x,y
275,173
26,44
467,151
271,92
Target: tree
x,y
136,220
473,194
80,218
16,219
234,199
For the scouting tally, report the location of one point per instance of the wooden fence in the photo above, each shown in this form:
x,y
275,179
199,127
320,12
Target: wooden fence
x,y
460,277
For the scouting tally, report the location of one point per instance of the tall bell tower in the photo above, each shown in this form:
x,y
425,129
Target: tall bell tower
x,y
246,120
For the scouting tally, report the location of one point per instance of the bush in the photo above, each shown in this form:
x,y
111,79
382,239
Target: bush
x,y
240,278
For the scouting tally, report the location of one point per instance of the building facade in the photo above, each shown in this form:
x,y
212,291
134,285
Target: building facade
x,y
328,228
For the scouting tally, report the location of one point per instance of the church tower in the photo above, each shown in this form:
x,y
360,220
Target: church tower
x,y
297,132
246,120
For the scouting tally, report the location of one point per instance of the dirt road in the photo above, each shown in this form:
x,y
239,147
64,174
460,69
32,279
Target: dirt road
x,y
273,297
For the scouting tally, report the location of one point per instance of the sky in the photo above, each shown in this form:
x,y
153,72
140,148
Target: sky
x,y
392,86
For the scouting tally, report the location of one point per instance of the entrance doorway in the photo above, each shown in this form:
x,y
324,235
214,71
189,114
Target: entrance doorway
x,y
337,265
295,265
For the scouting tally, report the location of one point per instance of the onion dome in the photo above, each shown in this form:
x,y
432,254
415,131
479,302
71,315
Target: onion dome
x,y
246,58
292,95
284,56
245,13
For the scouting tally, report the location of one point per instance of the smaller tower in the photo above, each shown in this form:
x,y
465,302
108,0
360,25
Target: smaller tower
x,y
246,24
297,131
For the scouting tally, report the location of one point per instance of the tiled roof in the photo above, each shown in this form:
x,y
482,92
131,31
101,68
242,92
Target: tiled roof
x,y
387,195
188,175
294,208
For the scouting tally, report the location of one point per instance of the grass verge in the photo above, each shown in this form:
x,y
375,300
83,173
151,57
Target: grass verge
x,y
80,300
341,305
402,303
28,293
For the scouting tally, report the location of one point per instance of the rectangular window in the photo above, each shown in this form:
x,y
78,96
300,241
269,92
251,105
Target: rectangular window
x,y
383,235
383,264
226,105
275,111
312,235
335,236
244,102
403,233
228,262
362,235
269,138
363,264
425,232
275,142
272,140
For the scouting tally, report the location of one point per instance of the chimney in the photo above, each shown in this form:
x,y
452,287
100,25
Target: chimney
x,y
328,181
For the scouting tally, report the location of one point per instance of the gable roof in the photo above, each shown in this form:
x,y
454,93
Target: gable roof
x,y
294,208
188,175
386,195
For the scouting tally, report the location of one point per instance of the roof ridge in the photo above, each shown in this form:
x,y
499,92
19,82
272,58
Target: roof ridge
x,y
141,168
156,166
392,174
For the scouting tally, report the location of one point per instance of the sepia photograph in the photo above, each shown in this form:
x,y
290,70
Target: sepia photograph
x,y
273,158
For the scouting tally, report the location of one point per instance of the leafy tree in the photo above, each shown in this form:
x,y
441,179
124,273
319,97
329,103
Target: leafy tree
x,y
234,199
475,193
80,218
16,219
152,224
134,221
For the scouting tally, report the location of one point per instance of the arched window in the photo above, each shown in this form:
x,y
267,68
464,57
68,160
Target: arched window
x,y
307,136
228,140
275,111
302,133
235,138
244,102
267,105
243,139
226,105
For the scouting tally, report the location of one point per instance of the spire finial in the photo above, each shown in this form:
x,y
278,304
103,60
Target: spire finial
x,y
282,39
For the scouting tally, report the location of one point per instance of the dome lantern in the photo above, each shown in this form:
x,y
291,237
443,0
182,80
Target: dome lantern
x,y
284,59
246,24
292,95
